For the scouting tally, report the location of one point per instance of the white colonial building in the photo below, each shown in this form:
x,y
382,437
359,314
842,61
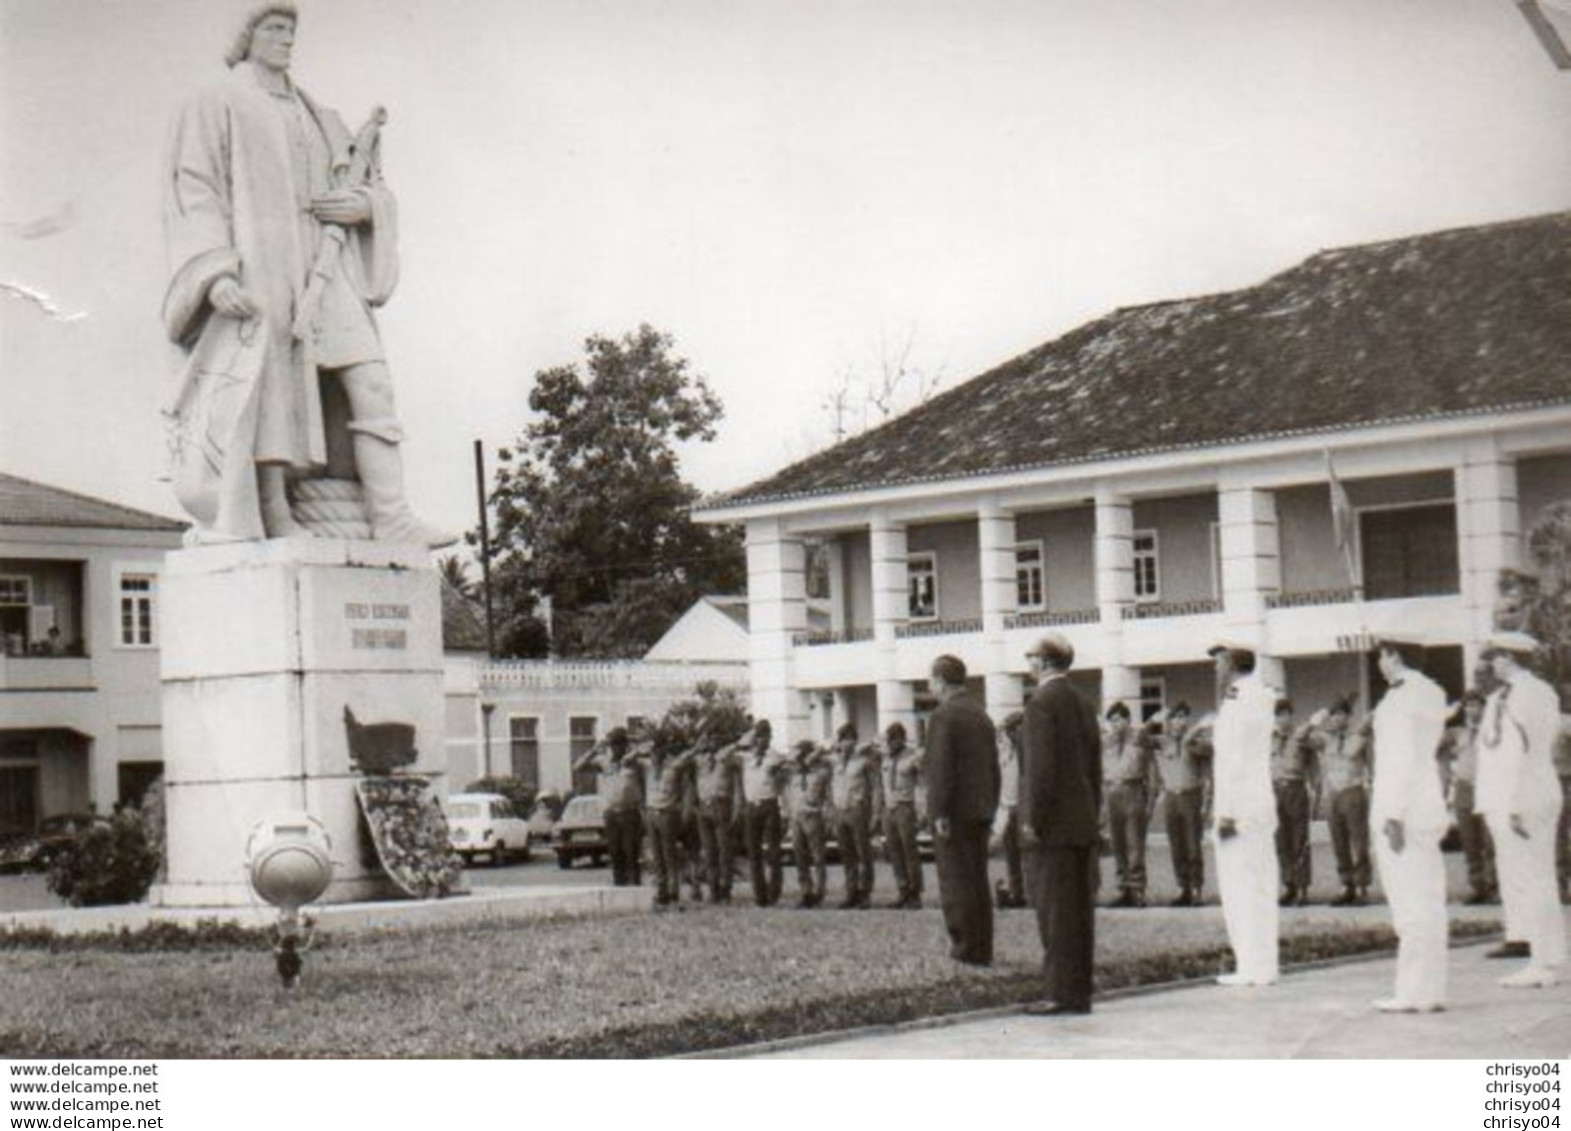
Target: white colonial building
x,y
79,626
1159,477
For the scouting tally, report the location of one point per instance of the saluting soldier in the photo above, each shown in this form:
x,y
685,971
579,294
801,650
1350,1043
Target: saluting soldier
x,y
1294,780
1343,754
1184,768
719,774
672,774
763,777
621,789
1461,749
1010,891
901,767
1126,778
810,774
855,787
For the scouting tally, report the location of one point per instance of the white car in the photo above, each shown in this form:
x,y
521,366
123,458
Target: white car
x,y
485,824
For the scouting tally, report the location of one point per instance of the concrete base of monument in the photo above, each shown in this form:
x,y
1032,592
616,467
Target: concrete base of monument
x,y
288,666
493,905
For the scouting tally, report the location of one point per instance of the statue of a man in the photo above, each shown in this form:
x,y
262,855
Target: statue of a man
x,y
257,183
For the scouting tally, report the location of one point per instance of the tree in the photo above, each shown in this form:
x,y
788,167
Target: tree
x,y
861,399
1540,603
592,511
455,572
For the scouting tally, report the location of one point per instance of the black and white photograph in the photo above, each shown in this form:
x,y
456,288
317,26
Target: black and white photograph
x,y
841,530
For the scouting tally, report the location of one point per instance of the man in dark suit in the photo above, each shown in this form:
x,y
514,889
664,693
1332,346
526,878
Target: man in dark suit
x,y
962,796
1060,795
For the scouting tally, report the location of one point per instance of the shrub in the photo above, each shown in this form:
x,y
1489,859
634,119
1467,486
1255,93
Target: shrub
x,y
114,861
516,790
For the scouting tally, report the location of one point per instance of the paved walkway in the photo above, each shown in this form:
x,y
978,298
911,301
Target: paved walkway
x,y
1319,1013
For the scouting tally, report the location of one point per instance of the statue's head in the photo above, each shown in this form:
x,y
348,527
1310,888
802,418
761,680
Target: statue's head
x,y
241,50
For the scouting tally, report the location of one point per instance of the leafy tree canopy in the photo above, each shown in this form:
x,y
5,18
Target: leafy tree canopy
x,y
592,512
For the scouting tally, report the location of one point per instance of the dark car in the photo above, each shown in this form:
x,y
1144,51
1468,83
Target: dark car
x,y
581,832
31,852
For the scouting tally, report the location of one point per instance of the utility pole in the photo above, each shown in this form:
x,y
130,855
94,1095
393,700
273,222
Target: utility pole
x,y
485,554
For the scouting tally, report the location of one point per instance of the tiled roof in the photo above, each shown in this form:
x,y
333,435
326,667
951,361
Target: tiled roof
x,y
1447,324
26,503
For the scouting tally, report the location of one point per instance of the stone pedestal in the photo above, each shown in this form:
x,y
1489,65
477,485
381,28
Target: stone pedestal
x,y
264,645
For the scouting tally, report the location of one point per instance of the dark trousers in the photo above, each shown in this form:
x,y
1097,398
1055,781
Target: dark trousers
x,y
763,850
855,831
900,841
714,831
1182,813
1014,873
1128,820
1350,835
665,833
1292,834
807,844
1477,845
962,890
1062,886
624,834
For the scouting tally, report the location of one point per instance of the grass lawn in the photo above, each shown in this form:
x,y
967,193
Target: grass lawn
x,y
705,977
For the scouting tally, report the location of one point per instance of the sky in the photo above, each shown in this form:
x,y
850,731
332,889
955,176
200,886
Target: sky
x,y
792,189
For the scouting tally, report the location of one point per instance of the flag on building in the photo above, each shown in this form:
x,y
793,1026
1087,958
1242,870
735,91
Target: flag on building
x,y
1342,520
1551,22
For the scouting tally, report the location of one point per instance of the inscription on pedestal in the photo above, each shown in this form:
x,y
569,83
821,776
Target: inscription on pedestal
x,y
377,636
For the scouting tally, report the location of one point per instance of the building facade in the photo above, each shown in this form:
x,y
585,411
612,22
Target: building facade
x,y
79,622
1164,476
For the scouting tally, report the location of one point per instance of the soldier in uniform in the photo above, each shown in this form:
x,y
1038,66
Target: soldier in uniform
x,y
1245,815
1408,815
763,777
855,786
1461,750
1184,774
621,789
719,773
1295,781
810,774
672,774
1343,754
1520,798
1126,779
1010,891
901,767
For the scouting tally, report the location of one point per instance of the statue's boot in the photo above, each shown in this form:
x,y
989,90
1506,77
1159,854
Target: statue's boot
x,y
381,468
273,501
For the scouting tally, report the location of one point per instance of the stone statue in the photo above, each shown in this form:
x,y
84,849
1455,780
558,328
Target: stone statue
x,y
281,240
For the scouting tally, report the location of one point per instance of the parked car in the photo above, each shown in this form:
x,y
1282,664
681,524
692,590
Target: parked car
x,y
581,832
31,852
486,824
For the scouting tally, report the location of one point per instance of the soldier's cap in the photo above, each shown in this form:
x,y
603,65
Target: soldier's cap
x,y
1512,643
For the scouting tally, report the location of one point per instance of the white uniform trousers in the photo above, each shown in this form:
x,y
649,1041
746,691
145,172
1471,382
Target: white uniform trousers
x,y
1528,891
1246,875
1415,886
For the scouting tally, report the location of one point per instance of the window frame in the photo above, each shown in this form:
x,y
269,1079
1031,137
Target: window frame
x,y
1154,556
931,559
123,572
1038,545
1359,565
512,763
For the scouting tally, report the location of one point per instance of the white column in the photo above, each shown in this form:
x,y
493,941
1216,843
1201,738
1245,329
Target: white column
x,y
839,598
1120,682
1115,556
1251,557
1000,596
777,611
1489,535
891,608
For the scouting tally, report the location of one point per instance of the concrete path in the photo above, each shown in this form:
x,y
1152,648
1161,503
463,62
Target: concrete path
x,y
1319,1013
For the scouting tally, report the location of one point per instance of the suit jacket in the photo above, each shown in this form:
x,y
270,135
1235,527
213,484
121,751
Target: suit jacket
x,y
961,761
1061,765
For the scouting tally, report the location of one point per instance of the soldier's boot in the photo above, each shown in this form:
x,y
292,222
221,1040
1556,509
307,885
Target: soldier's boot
x,y
380,466
1348,898
1289,897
